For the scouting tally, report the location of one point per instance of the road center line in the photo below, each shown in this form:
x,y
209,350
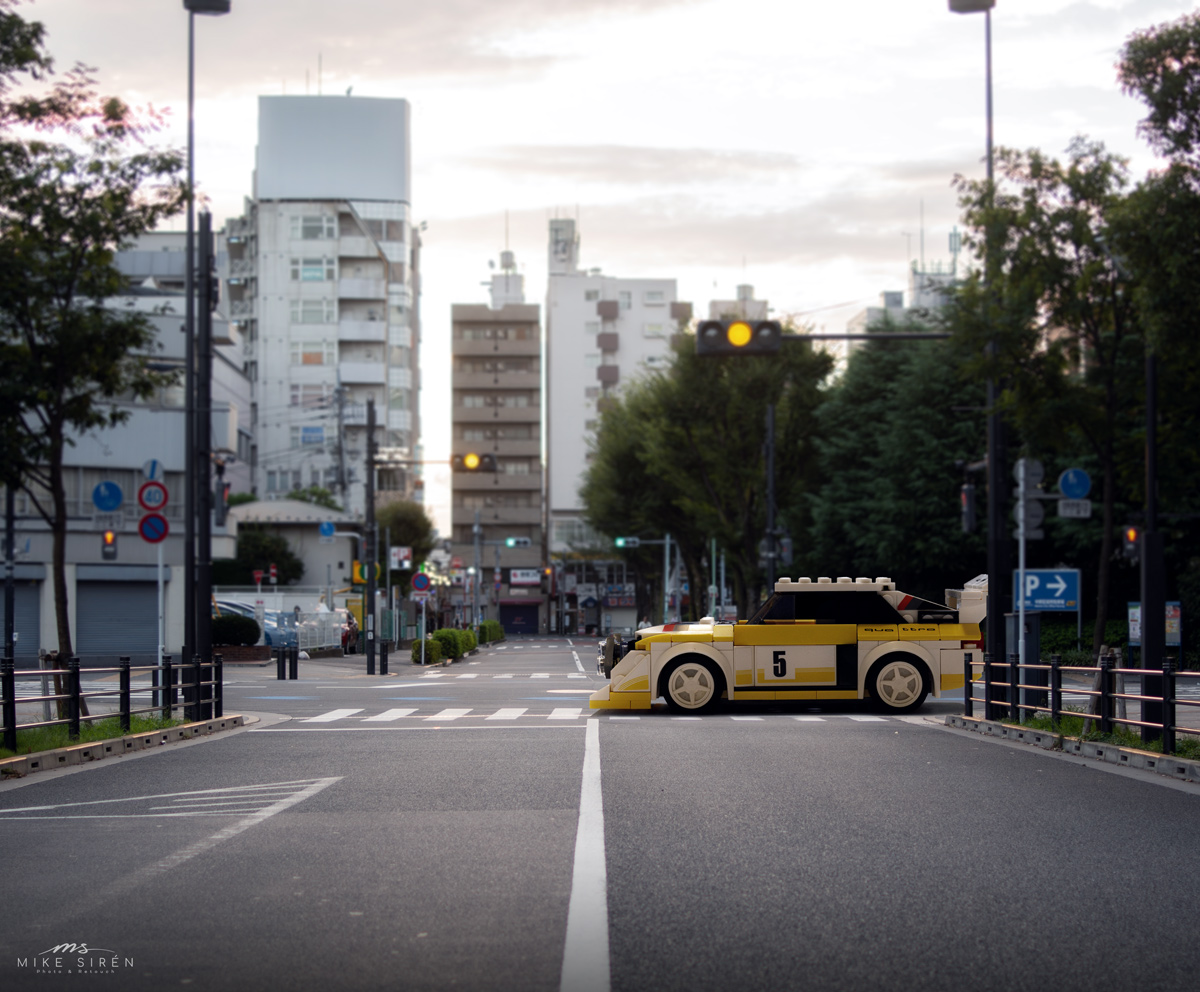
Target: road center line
x,y
585,956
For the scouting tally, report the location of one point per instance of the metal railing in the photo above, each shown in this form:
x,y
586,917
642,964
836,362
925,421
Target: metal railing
x,y
1107,696
196,688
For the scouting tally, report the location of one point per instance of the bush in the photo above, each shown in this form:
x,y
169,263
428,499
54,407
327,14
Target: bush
x,y
471,641
231,629
449,639
433,652
490,630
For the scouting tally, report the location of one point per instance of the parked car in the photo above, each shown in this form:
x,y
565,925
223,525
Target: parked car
x,y
276,632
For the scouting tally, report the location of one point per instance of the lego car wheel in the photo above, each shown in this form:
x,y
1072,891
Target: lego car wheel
x,y
691,685
898,684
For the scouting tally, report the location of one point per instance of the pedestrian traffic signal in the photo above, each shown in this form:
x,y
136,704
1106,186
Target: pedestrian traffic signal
x,y
739,337
473,462
1131,542
108,545
967,496
627,542
517,542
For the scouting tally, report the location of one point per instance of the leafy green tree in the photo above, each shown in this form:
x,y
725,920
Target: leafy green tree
x,y
318,496
65,207
687,451
1061,311
892,434
410,527
258,548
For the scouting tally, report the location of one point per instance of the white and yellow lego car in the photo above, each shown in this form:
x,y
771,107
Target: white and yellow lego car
x,y
820,640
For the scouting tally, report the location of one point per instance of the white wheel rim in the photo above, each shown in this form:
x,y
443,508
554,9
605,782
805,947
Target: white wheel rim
x,y
691,686
899,684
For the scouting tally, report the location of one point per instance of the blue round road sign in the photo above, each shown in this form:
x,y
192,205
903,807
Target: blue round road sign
x,y
107,497
153,527
420,582
1075,483
327,528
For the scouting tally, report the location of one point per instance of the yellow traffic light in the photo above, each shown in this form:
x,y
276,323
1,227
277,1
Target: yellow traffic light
x,y
471,462
738,337
738,334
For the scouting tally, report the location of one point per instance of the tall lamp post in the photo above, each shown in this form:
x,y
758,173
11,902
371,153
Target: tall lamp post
x,y
997,544
211,8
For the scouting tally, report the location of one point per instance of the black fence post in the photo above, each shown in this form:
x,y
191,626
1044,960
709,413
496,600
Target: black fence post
x,y
1014,687
219,687
989,708
293,663
280,663
1055,688
8,689
73,700
168,690
1168,684
125,705
1106,691
968,685
204,690
383,646
155,695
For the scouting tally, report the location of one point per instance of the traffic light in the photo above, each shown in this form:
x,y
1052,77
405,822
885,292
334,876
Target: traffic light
x,y
474,462
220,502
627,542
547,580
738,337
108,545
967,496
971,6
1131,542
517,542
359,574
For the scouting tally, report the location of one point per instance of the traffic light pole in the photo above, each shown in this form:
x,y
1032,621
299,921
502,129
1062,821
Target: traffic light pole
x,y
371,543
1153,582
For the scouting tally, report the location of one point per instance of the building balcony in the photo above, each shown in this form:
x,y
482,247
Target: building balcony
x,y
608,341
608,309
362,330
362,289
241,309
608,375
522,515
492,415
470,349
681,310
485,482
523,381
357,247
362,373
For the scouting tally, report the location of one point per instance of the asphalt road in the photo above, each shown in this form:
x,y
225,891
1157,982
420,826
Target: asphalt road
x,y
476,827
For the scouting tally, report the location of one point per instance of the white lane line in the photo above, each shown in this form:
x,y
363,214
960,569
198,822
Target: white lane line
x,y
565,713
508,713
448,714
508,676
576,675
578,663
331,716
686,718
758,718
869,719
585,956
434,675
809,719
387,715
540,675
468,675
624,717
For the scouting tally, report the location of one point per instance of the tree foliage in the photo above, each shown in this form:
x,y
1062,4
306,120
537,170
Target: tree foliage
x,y
258,548
318,496
408,526
76,182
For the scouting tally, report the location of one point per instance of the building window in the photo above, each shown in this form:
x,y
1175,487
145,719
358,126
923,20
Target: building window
x,y
654,298
314,311
591,295
309,396
314,227
475,401
654,331
314,352
398,356
626,299
306,436
272,481
398,399
313,270
510,466
513,400
592,327
591,393
592,360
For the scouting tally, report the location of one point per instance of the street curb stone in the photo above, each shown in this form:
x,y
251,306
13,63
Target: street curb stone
x,y
77,754
1160,764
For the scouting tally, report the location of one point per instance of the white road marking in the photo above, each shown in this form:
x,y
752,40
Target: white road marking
x,y
809,719
448,714
869,719
468,675
685,718
573,692
758,718
507,713
434,675
624,717
540,675
585,965
508,676
331,716
578,663
576,675
565,713
388,715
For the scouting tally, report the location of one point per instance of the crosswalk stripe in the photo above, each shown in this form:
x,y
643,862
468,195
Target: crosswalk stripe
x,y
869,719
758,718
540,675
468,675
387,715
508,676
508,713
809,719
331,716
565,713
448,714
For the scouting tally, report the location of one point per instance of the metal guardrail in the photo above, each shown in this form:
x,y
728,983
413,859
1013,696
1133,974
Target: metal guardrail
x,y
1046,696
200,684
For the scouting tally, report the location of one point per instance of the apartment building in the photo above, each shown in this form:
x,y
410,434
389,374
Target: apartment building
x,y
498,544
323,286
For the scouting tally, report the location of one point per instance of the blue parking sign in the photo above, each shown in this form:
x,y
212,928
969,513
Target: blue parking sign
x,y
1049,589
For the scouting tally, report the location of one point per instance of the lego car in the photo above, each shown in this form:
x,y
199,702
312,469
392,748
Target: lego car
x,y
820,639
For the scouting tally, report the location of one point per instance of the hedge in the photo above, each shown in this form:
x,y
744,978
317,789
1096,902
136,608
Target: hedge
x,y
490,630
433,652
231,629
451,641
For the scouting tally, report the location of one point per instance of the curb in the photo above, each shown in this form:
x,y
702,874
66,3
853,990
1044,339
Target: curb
x,y
1160,764
77,754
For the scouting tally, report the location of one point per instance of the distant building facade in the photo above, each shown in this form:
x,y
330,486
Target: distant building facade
x,y
323,283
496,380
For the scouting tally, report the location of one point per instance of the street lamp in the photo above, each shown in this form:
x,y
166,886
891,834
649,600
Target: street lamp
x,y
192,610
997,546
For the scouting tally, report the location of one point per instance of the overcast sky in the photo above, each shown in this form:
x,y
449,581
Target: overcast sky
x,y
790,146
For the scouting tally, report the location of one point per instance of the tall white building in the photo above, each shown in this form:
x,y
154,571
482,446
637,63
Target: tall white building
x,y
323,284
601,331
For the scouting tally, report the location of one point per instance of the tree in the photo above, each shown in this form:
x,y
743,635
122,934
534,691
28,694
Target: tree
x,y
890,435
1061,311
696,434
258,548
317,495
408,526
65,207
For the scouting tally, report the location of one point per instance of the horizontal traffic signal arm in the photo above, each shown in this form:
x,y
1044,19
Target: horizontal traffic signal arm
x,y
766,337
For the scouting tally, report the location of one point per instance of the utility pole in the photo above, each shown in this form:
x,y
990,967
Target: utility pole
x,y
10,557
203,467
340,395
371,544
1153,579
770,459
477,533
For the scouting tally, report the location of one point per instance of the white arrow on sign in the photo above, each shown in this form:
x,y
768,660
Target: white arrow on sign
x,y
1058,586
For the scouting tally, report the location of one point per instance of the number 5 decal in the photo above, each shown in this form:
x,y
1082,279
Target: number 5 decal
x,y
779,663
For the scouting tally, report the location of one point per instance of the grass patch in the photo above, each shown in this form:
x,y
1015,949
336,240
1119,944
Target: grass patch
x,y
1070,724
48,738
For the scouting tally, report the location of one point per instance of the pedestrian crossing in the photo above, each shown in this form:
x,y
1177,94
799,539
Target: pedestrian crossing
x,y
452,714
